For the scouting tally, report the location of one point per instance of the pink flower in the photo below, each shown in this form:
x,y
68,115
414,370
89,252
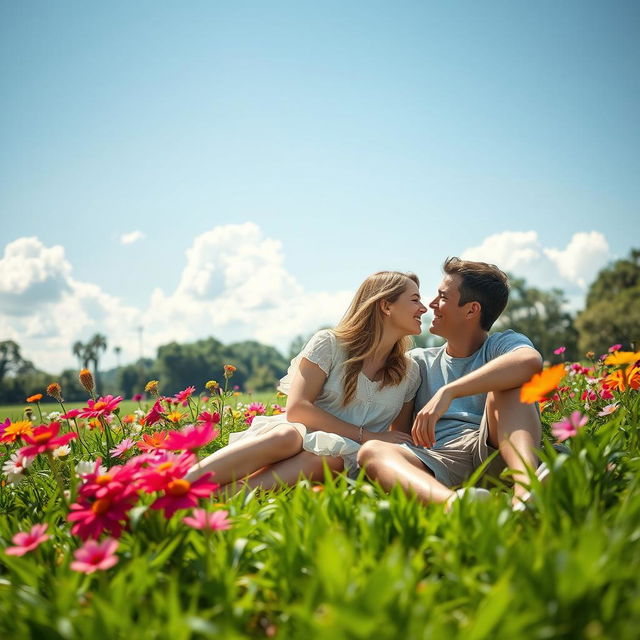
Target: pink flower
x,y
568,427
608,410
138,397
258,407
163,469
155,414
100,407
615,347
191,437
182,397
121,448
209,418
104,501
4,425
182,494
95,555
200,519
560,350
74,413
26,542
44,439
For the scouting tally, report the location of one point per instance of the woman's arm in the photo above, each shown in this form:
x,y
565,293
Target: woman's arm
x,y
305,388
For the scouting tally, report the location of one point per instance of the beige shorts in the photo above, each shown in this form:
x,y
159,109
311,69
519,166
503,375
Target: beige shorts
x,y
453,462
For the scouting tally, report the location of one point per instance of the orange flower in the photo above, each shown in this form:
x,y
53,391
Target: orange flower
x,y
541,384
229,370
175,416
620,379
16,430
86,379
36,397
622,357
55,391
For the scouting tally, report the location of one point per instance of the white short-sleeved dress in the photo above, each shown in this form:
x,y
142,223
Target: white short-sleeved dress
x,y
373,407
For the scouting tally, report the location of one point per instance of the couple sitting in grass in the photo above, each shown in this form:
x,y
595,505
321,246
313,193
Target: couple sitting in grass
x,y
423,420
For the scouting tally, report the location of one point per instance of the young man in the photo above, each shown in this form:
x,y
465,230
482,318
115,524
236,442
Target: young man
x,y
468,403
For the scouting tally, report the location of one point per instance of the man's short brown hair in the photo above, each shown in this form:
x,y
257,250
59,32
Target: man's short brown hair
x,y
483,283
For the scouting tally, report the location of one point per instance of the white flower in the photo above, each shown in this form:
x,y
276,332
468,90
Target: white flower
x,y
140,413
54,415
61,451
14,467
85,467
135,428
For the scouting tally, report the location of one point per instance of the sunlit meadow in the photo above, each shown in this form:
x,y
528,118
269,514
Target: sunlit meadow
x,y
101,536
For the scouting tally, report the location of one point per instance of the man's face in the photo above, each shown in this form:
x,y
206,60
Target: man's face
x,y
448,317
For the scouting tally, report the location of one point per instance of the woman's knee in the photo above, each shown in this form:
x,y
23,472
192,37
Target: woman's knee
x,y
370,453
286,439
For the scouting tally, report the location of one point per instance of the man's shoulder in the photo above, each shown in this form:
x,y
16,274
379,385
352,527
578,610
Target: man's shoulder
x,y
425,354
506,340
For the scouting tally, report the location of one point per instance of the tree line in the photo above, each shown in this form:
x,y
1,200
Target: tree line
x,y
611,315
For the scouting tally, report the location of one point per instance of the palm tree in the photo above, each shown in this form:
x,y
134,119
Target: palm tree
x,y
95,345
117,351
80,351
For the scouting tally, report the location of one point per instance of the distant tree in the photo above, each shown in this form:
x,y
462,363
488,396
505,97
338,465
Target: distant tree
x,y
118,351
11,361
541,315
89,353
612,312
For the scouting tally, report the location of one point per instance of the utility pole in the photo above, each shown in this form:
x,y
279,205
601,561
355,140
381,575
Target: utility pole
x,y
140,330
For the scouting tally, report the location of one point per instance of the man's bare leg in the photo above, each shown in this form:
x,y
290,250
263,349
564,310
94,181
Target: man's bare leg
x,y
390,465
514,429
243,458
289,471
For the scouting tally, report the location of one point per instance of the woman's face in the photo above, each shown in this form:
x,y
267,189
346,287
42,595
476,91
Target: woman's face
x,y
406,312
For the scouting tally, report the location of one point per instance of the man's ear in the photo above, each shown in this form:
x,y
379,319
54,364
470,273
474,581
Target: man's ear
x,y
473,310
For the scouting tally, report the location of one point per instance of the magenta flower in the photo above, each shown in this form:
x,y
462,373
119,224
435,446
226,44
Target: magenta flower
x,y
26,542
200,519
74,413
138,397
155,414
608,410
163,469
100,407
209,418
43,438
568,427
605,393
191,437
615,347
560,350
182,397
94,556
121,448
182,494
4,425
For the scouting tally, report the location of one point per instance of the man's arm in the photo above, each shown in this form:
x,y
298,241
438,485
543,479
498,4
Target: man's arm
x,y
508,371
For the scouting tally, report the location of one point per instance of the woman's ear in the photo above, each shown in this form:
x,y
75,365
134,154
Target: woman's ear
x,y
385,307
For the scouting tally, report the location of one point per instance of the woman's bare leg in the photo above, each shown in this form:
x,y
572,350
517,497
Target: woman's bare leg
x,y
289,471
241,459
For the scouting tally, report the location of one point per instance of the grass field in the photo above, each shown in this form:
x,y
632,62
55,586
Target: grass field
x,y
344,560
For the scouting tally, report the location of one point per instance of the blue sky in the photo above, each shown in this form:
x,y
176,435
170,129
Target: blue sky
x,y
271,155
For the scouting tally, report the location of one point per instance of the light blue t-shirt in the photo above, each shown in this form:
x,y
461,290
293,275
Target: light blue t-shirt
x,y
437,368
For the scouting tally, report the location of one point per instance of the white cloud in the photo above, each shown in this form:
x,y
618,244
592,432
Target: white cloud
x,y
131,237
522,254
233,286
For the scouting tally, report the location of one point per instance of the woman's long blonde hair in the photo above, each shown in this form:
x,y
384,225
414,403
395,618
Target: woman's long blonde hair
x,y
360,330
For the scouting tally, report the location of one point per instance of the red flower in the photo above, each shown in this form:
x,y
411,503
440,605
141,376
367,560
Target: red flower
x,y
209,418
100,407
44,439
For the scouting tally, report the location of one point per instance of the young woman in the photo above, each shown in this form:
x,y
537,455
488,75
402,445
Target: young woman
x,y
345,387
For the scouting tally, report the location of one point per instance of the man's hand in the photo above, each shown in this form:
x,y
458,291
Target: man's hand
x,y
395,437
424,426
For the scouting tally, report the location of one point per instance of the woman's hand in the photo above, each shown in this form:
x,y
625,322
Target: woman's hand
x,y
395,437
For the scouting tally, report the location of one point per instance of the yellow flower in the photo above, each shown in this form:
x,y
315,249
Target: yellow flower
x,y
16,430
86,380
175,416
152,387
622,357
212,385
